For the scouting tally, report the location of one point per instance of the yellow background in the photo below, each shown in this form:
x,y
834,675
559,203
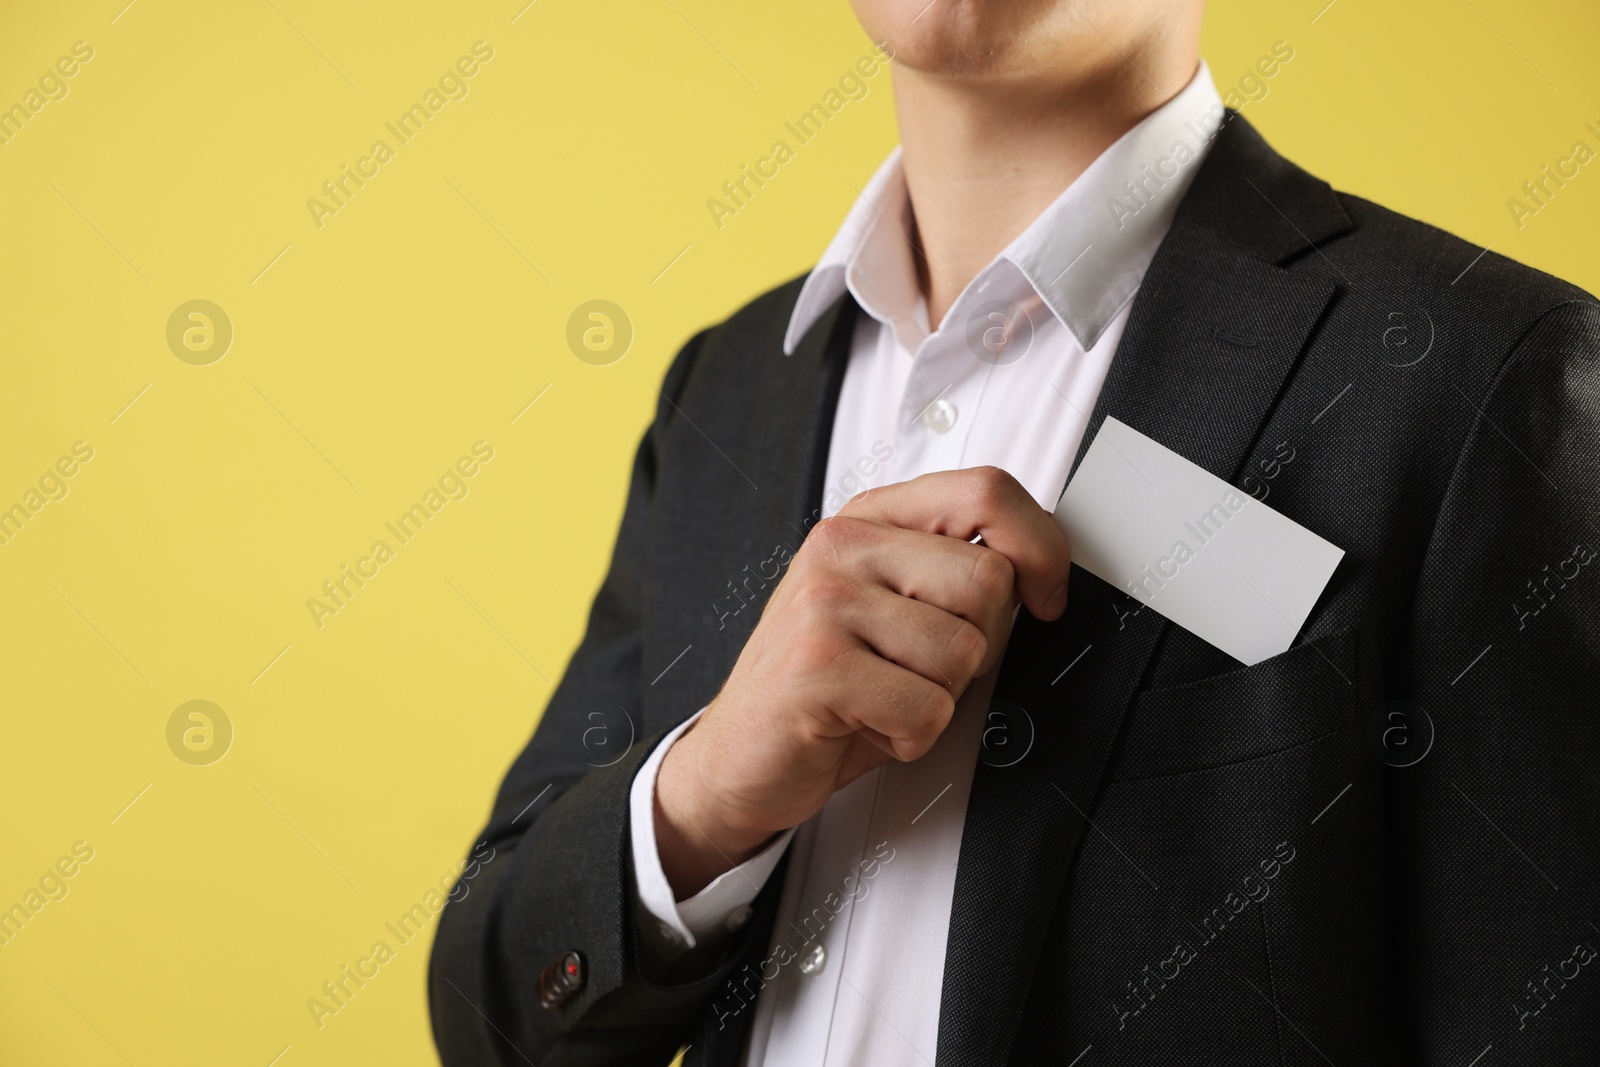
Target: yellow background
x,y
377,349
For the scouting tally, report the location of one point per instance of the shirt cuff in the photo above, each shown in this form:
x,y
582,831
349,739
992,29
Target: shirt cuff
x,y
720,908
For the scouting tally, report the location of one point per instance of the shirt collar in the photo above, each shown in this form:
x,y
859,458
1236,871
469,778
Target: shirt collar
x,y
1085,255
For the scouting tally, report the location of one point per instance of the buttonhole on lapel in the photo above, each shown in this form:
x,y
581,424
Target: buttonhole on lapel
x,y
1228,337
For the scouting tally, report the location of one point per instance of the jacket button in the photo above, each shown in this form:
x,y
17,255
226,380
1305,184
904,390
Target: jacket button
x,y
560,980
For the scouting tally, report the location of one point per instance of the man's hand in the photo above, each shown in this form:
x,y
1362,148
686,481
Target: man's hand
x,y
887,613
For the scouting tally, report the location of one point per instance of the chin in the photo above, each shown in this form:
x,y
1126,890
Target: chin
x,y
971,38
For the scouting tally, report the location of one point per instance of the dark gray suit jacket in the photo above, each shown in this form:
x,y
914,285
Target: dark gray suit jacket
x,y
1195,863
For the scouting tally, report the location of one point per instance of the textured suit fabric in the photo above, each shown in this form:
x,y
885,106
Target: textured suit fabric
x,y
1196,863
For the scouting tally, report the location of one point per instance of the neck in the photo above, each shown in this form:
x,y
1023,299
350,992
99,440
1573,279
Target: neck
x,y
982,161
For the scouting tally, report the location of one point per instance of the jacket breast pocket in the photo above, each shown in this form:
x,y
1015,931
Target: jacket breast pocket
x,y
1295,697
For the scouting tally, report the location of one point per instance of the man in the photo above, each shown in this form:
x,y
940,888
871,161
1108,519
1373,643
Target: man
x,y
872,820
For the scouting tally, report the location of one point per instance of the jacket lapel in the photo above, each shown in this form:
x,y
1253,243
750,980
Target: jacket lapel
x,y
1212,338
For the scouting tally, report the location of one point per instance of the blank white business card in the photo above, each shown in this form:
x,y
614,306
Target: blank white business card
x,y
1198,551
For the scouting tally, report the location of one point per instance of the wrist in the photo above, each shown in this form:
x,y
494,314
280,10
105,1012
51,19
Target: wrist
x,y
698,835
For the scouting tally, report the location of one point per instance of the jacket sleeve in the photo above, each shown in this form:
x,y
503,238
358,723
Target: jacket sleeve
x,y
558,877
1493,853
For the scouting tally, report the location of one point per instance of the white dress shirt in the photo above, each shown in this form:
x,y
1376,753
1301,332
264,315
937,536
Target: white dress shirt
x,y
855,968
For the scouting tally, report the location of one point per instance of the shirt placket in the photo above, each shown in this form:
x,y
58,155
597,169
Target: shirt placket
x,y
815,935
937,410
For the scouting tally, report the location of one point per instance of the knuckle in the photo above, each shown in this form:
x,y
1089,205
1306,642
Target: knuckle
x,y
993,575
822,597
821,652
967,647
835,537
825,537
991,486
932,716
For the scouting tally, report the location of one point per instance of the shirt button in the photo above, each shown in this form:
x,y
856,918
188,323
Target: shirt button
x,y
738,917
813,962
668,934
939,416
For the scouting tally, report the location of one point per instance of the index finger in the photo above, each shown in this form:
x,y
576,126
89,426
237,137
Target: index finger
x,y
986,502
